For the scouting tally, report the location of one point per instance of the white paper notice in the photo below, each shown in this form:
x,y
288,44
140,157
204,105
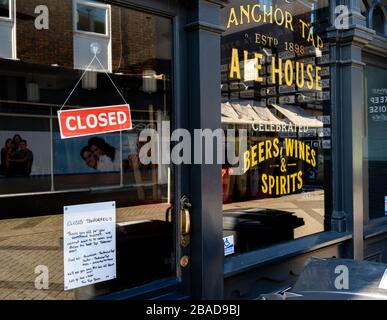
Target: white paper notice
x,y
89,242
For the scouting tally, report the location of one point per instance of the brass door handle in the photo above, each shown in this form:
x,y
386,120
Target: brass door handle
x,y
168,215
185,222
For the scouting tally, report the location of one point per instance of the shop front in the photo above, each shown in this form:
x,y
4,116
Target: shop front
x,y
102,197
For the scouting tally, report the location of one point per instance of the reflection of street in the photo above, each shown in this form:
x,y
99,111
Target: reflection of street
x,y
309,206
28,242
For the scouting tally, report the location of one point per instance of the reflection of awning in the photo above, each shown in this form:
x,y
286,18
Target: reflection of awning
x,y
299,116
266,116
246,114
228,111
237,113
230,116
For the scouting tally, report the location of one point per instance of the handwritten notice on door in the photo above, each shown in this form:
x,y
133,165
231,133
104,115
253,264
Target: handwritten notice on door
x,y
89,244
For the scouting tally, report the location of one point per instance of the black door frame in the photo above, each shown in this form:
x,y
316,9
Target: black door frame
x,y
196,105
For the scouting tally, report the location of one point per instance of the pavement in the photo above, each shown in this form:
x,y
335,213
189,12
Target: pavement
x,y
308,205
26,243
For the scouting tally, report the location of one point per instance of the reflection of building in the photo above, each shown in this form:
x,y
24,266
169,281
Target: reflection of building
x,y
263,125
338,211
56,45
40,80
351,152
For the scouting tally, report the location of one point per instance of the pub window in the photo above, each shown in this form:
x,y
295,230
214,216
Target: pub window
x,y
375,154
378,20
91,18
92,27
364,6
5,8
42,175
7,30
276,87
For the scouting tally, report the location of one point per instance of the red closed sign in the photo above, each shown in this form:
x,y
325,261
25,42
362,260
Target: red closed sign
x,y
83,122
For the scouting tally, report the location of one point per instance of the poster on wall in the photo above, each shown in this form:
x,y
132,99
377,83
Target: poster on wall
x,y
25,153
84,155
89,244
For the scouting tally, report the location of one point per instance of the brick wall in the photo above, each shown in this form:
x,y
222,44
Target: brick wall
x,y
133,41
53,46
133,36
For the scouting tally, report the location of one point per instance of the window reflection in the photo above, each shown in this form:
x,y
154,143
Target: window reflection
x,y
378,20
40,176
91,19
275,84
376,155
5,8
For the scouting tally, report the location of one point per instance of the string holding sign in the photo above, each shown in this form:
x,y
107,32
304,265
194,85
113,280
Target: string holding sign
x,y
88,121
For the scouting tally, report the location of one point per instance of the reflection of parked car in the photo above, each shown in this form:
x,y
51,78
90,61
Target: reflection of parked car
x,y
337,279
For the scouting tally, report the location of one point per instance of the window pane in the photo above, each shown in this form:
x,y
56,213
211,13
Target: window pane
x,y
363,7
378,21
377,138
4,8
101,168
91,19
276,87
